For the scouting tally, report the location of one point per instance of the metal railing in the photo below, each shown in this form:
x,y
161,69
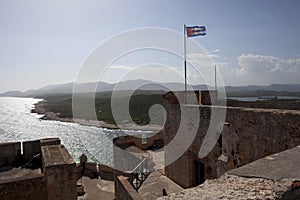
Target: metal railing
x,y
139,174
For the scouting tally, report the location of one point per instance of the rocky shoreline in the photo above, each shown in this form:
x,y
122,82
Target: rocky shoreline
x,y
40,108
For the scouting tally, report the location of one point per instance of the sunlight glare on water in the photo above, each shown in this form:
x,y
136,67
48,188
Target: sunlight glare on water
x,y
17,123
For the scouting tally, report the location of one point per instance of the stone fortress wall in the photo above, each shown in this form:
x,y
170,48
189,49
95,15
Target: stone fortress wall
x,y
56,179
248,134
8,152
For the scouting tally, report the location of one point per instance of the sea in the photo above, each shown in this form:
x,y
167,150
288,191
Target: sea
x,y
17,123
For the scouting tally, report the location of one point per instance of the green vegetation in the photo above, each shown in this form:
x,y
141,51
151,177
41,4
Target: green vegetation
x,y
139,104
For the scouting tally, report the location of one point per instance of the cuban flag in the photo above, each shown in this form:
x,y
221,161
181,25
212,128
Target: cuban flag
x,y
193,31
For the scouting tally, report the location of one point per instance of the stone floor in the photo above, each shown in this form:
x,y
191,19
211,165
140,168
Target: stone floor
x,y
19,174
284,164
97,189
229,187
273,177
155,183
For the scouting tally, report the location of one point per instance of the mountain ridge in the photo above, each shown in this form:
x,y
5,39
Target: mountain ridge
x,y
67,88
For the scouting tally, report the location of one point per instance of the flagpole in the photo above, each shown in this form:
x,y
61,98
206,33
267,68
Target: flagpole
x,y
184,52
216,78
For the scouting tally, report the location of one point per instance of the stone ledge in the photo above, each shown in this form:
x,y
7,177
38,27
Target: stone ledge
x,y
56,155
274,167
18,174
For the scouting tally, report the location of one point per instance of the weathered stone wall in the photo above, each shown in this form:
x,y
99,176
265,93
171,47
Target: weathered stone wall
x,y
32,188
256,133
251,134
178,171
61,182
60,173
124,190
94,170
50,141
89,170
182,171
153,140
31,148
208,97
106,172
8,152
56,179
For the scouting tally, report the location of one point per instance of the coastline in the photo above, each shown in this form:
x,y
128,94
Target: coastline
x,y
40,108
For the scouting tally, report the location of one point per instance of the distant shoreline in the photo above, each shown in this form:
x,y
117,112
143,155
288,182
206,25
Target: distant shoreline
x,y
40,108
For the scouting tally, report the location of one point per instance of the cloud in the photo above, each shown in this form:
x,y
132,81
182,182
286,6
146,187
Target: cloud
x,y
122,67
214,51
263,69
250,69
207,60
201,57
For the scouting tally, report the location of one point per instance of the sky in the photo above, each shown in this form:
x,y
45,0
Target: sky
x,y
43,42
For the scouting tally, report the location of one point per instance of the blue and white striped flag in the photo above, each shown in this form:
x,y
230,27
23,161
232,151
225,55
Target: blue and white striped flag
x,y
193,31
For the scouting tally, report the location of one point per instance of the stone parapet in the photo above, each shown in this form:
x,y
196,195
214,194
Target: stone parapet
x,y
8,152
249,134
60,173
56,179
124,190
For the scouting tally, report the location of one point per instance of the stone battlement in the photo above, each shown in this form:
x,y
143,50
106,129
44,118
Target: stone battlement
x,y
246,135
54,179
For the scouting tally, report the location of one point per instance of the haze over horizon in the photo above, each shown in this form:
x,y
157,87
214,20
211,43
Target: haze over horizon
x,y
252,42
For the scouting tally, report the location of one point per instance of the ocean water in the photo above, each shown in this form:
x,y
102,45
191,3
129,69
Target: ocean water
x,y
17,123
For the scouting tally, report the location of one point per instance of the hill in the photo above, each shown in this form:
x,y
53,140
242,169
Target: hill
x,y
67,88
59,107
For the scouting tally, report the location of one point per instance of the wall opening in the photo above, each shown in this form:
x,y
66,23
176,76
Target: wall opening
x,y
199,173
220,143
